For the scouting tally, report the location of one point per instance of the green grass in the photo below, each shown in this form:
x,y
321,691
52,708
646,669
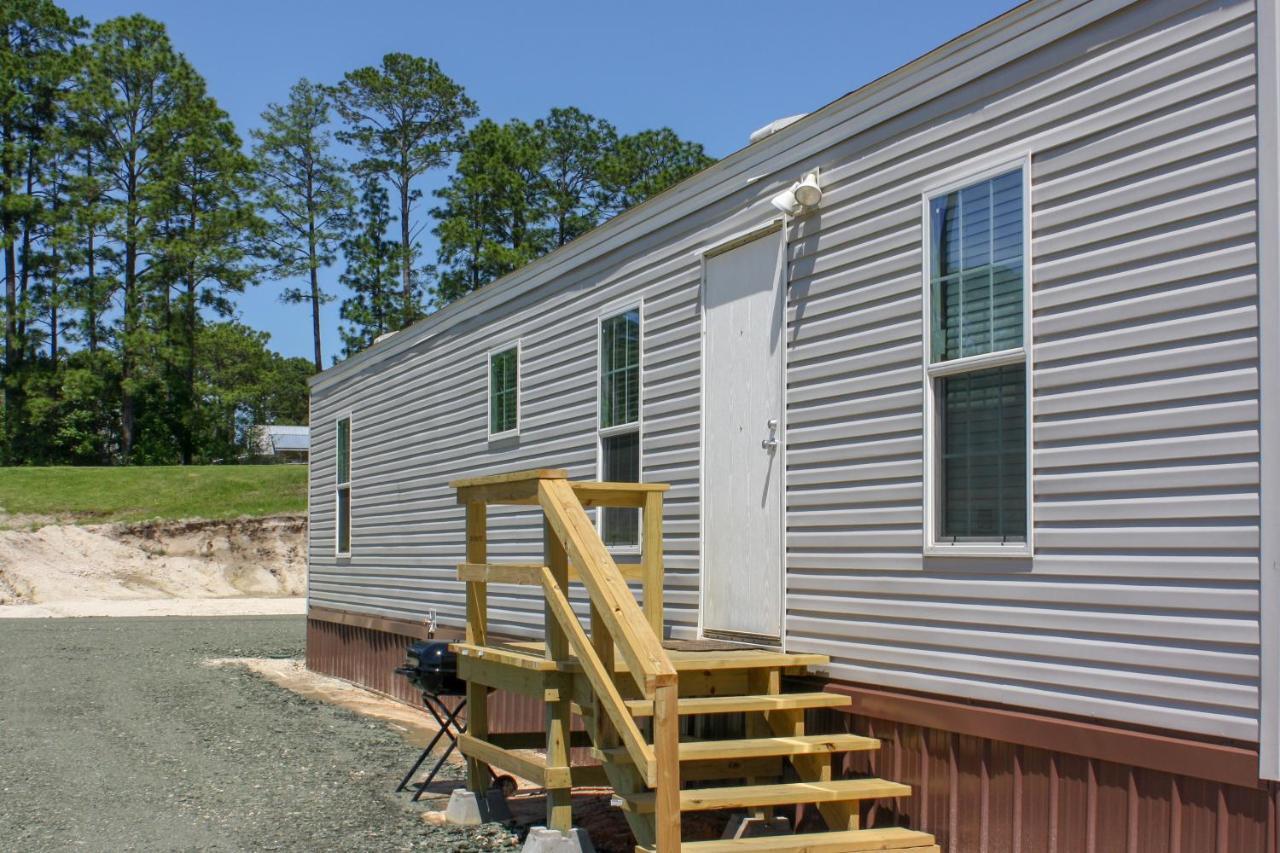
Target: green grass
x,y
94,495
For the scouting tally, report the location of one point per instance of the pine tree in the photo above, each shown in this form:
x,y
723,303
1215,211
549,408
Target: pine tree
x,y
133,82
574,144
639,166
406,117
36,62
495,212
373,269
304,191
207,226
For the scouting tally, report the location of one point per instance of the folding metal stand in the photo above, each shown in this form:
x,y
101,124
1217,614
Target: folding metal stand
x,y
450,727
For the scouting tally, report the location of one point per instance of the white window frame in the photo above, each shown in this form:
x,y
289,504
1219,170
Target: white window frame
x,y
517,345
339,487
975,173
613,310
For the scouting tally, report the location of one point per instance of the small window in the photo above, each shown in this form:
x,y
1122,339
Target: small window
x,y
504,392
619,420
343,487
977,373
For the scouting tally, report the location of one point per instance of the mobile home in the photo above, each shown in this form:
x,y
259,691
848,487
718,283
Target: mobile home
x,y
992,423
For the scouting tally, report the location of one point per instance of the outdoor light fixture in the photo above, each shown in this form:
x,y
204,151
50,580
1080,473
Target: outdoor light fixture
x,y
786,202
807,192
804,193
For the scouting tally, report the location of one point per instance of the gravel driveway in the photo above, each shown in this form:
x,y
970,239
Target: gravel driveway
x,y
114,737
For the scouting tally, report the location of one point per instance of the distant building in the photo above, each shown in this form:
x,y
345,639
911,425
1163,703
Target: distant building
x,y
283,443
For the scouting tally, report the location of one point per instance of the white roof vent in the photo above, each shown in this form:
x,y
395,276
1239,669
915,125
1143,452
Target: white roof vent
x,y
382,337
774,126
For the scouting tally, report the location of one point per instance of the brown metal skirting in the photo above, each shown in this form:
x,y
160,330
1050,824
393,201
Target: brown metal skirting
x,y
1231,765
386,624
984,780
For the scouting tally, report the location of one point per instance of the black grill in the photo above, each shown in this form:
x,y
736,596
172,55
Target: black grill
x,y
433,669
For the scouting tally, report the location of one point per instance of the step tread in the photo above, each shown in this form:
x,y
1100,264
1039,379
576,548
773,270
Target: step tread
x,y
848,841
707,750
747,796
736,704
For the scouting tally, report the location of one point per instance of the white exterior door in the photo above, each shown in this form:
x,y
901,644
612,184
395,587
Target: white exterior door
x,y
743,327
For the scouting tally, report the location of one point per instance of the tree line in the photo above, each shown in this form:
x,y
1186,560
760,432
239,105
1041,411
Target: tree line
x,y
132,214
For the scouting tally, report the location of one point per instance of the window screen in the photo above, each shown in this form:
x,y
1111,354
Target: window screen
x,y
504,413
976,268
620,464
983,455
620,369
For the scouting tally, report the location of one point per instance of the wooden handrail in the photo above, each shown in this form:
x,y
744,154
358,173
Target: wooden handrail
x,y
600,677
640,647
574,550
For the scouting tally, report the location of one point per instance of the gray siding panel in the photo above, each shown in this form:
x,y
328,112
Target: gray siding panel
x,y
1141,602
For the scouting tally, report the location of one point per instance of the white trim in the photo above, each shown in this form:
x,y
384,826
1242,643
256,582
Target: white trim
x,y
1018,32
608,312
977,171
339,487
781,226
518,346
1268,43
986,361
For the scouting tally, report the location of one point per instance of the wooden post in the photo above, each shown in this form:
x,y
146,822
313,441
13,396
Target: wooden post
x,y
651,559
477,634
559,708
839,816
604,735
666,748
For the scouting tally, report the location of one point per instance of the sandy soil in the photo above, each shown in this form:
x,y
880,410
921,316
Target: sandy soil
x,y
119,569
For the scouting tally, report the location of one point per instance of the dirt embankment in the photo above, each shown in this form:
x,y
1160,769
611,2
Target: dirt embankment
x,y
261,557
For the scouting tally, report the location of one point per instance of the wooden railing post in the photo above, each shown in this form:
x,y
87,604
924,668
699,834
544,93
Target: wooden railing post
x,y
559,709
477,634
651,559
666,750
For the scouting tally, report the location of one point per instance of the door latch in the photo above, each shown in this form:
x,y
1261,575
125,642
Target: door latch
x,y
770,444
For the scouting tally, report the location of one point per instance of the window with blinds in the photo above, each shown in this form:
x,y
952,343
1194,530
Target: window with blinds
x,y
620,369
619,420
504,392
342,490
977,371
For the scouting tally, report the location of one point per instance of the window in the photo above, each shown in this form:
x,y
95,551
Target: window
x,y
343,488
977,391
620,420
504,392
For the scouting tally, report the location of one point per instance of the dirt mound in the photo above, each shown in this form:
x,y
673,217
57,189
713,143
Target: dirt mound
x,y
182,559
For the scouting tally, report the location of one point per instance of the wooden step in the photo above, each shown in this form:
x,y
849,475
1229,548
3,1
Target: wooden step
x,y
710,750
849,841
749,796
737,704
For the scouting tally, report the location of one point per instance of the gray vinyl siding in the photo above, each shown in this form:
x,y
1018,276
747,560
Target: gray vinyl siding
x,y
1141,602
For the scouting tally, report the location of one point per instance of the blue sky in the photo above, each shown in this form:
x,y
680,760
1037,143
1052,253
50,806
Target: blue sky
x,y
713,71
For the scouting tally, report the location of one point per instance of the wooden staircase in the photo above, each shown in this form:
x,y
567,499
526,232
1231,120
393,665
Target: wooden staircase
x,y
631,690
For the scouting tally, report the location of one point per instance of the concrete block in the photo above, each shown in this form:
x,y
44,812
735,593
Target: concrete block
x,y
747,826
543,840
466,809
463,809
